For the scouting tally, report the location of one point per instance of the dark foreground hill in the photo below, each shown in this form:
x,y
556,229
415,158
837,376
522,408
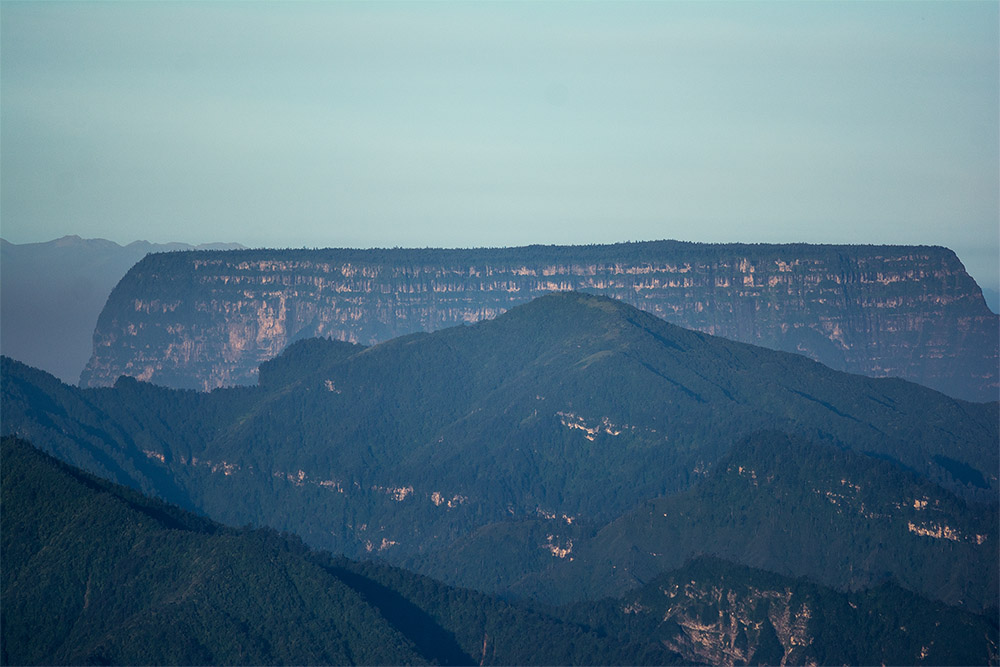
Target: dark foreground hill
x,y
204,320
563,415
95,573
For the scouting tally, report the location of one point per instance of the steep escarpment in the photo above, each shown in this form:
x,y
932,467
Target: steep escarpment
x,y
207,319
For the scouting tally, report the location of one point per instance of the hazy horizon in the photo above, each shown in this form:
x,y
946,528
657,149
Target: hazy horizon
x,y
504,124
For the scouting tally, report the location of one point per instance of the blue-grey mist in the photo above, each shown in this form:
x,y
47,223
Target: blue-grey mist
x,y
488,124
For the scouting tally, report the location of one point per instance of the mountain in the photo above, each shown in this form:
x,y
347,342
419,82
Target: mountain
x,y
573,412
206,320
52,293
837,517
95,573
713,612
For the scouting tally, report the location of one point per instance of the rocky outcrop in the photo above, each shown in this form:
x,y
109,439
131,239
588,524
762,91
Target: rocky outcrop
x,y
721,627
710,612
207,319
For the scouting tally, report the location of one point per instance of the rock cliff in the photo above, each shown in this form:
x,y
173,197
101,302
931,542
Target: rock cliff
x,y
207,319
713,613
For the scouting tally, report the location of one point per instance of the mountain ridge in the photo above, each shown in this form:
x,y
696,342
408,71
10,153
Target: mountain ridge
x,y
145,582
571,410
782,504
157,585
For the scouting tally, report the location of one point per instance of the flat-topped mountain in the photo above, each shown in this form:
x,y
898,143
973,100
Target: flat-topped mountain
x,y
209,319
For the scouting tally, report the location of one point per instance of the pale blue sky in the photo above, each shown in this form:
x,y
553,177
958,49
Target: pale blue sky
x,y
483,124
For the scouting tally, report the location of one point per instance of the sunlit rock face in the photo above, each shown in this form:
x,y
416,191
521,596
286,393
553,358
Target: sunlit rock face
x,y
207,319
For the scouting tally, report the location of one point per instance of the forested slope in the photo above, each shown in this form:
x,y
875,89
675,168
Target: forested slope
x,y
565,414
95,573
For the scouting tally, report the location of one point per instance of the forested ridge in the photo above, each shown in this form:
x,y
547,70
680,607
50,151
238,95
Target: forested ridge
x,y
786,505
544,425
95,573
573,449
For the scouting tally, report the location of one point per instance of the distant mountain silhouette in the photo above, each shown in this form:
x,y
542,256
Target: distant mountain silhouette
x,y
51,294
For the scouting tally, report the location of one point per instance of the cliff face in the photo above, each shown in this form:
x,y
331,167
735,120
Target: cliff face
x,y
207,319
721,627
710,612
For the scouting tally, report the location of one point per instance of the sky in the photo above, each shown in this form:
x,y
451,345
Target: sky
x,y
501,124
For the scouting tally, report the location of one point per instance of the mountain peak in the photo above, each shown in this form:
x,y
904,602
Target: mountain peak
x,y
589,315
591,323
582,299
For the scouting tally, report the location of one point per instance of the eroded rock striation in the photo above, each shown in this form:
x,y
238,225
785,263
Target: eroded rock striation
x,y
207,319
710,612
